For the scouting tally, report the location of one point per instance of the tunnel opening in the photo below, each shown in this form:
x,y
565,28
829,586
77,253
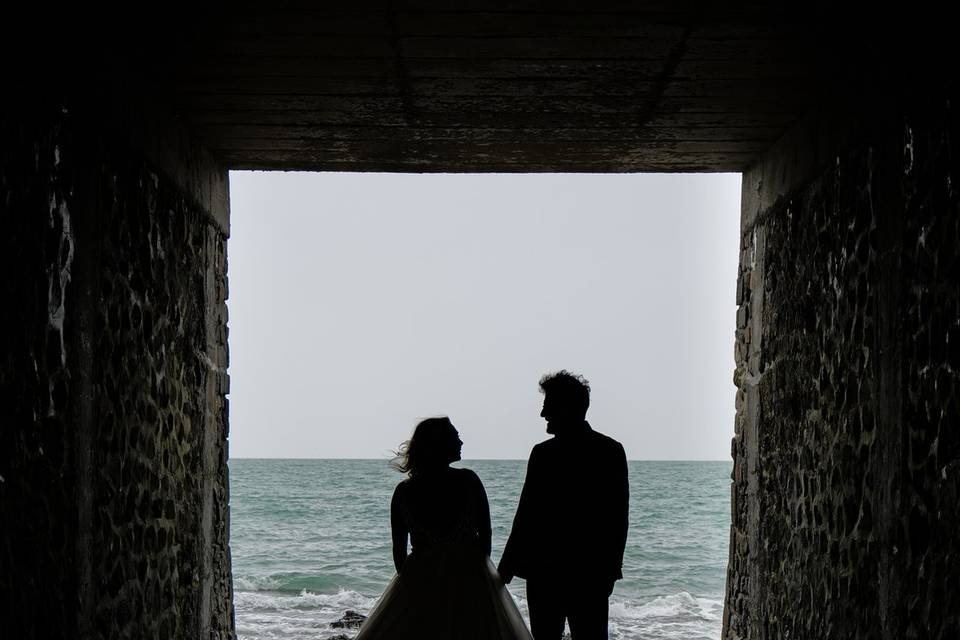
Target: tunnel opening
x,y
360,303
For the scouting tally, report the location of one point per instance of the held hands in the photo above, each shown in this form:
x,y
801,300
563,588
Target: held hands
x,y
505,577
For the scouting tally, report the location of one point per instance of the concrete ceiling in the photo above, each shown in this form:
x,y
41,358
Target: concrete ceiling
x,y
478,85
423,85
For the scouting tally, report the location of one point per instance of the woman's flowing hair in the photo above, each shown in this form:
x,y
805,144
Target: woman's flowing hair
x,y
429,447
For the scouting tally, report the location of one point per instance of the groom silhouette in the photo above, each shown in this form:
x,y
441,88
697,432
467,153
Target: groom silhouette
x,y
571,524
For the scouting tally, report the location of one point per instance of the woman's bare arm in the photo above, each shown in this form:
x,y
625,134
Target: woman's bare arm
x,y
484,533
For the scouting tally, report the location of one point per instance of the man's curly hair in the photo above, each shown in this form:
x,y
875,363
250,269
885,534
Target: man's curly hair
x,y
571,389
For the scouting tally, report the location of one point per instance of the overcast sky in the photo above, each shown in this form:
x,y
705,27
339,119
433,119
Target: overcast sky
x,y
362,303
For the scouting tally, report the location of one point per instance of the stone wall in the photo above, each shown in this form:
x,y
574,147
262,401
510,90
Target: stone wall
x,y
847,446
38,495
113,478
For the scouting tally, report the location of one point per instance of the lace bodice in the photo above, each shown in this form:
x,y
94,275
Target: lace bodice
x,y
449,508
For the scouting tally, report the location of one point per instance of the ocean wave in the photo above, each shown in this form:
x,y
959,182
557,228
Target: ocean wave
x,y
290,582
671,617
336,603
330,605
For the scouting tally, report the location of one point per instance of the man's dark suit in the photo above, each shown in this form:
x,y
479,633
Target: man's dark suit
x,y
569,532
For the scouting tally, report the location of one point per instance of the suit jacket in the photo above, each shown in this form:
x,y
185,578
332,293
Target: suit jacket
x,y
571,522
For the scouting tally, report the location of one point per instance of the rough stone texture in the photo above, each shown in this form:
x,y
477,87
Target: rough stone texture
x,y
112,458
847,445
38,498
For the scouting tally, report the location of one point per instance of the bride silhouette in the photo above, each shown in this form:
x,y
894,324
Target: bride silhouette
x,y
446,588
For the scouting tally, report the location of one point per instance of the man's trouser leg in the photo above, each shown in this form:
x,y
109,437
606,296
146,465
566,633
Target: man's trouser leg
x,y
587,613
547,613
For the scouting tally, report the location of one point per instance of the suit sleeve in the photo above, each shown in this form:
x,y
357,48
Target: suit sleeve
x,y
621,505
518,543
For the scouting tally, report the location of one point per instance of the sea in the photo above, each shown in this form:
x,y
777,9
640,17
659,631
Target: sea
x,y
311,540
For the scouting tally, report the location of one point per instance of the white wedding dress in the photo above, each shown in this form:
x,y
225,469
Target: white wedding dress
x,y
447,589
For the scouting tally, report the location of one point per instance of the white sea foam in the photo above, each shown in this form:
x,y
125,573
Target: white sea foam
x,y
671,617
268,616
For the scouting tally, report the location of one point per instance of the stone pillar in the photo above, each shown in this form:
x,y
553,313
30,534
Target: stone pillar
x,y
113,483
217,589
847,445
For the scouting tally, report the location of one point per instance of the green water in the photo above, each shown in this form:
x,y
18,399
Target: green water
x,y
311,539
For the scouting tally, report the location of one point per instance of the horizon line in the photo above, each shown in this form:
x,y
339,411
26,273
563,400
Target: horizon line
x,y
477,459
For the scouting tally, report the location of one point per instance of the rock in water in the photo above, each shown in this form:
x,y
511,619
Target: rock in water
x,y
350,620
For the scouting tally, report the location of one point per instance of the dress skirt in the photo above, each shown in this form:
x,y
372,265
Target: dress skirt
x,y
447,592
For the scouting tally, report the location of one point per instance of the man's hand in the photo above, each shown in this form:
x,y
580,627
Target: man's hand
x,y
505,577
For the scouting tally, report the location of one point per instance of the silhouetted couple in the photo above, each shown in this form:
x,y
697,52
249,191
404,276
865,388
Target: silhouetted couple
x,y
567,540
